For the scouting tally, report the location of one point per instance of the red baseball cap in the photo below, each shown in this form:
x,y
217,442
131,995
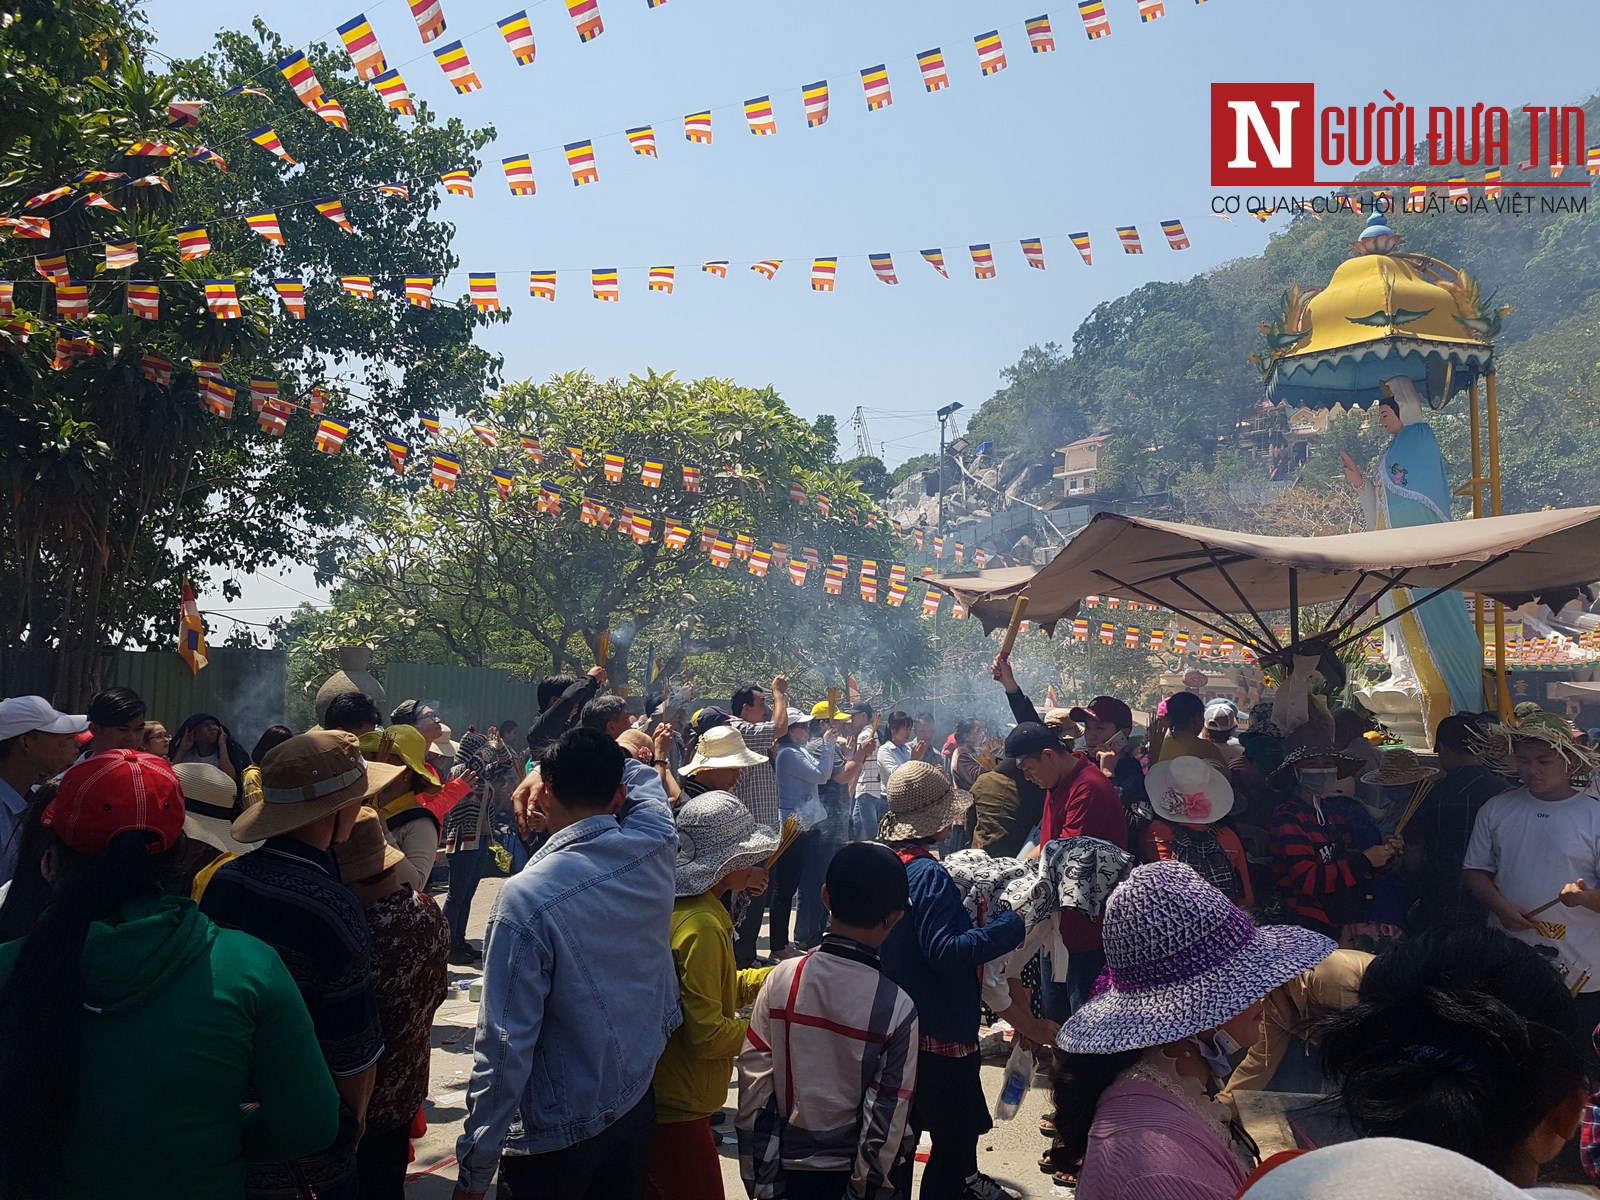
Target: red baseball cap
x,y
113,792
1105,708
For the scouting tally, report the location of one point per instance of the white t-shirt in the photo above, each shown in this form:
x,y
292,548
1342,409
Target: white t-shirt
x,y
1534,848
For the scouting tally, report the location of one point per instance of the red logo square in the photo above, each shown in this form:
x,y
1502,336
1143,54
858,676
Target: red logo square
x,y
1263,135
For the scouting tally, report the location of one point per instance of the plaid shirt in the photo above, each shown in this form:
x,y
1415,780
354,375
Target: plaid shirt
x,y
827,1072
758,786
1589,1137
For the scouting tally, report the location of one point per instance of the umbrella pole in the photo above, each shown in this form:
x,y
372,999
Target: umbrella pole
x,y
1476,484
1492,415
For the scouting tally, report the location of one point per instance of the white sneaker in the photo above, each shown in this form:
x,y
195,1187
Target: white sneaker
x,y
981,1187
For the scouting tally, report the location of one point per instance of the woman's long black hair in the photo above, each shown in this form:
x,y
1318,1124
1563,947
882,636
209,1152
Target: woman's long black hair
x,y
41,1004
1079,1081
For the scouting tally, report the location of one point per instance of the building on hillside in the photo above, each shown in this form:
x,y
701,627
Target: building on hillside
x,y
1079,462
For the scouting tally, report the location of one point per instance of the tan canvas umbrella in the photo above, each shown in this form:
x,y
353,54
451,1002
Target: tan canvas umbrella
x,y
1241,577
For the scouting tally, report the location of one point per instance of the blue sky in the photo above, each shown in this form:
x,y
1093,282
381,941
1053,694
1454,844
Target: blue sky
x,y
1095,135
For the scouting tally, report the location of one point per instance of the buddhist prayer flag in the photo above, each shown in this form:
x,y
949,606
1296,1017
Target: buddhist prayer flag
x,y
482,291
797,492
1176,238
518,34
650,473
27,227
96,200
121,254
155,369
916,536
767,268
1491,184
1033,251
298,72
395,93
613,465
1457,189
760,560
330,112
330,435
150,150
869,590
261,391
586,19
429,18
144,299
72,300
639,527
643,140
982,260
266,224
293,294
216,397
580,160
883,267
691,478
758,114
822,273
823,506
697,128
191,631
193,242
184,113
333,208
935,259
980,556
1592,160
142,181
542,285
742,545
660,279
44,198
833,581
429,422
222,298
815,98
589,510
897,573
897,594
797,571
930,602
203,155
1128,235
1416,197
318,401
991,54
457,183
1040,38
1080,630
1151,10
457,68
717,267
960,552
549,500
1130,638
934,76
721,552
267,140
398,450
676,535
875,82
445,469
603,282
362,46
503,480
531,447
419,291
273,418
359,286
1107,632
1157,637
1095,22
708,535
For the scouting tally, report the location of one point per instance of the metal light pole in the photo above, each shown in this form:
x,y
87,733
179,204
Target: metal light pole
x,y
944,414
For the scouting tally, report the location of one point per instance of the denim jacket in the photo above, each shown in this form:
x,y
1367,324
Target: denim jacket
x,y
579,988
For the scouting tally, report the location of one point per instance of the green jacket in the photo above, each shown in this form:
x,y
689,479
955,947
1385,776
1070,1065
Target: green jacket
x,y
691,1079
181,1020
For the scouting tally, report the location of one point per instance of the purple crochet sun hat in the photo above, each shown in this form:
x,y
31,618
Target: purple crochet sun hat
x,y
1181,959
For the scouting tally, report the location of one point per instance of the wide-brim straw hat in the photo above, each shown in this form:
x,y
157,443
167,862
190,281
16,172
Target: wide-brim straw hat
x,y
920,802
444,745
1188,789
405,746
722,746
716,836
308,777
1181,959
1540,726
1385,1169
366,853
1398,768
1312,756
208,799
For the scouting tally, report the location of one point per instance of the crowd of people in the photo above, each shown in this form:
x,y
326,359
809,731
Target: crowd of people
x,y
227,961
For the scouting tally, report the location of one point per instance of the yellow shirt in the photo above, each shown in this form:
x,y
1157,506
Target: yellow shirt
x,y
1177,745
691,1079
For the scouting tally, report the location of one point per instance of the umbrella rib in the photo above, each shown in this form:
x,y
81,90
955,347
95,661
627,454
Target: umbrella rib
x,y
1222,569
1400,612
1243,631
1333,618
1391,581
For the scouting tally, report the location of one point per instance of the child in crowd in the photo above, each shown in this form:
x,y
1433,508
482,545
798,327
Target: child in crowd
x,y
830,1060
721,849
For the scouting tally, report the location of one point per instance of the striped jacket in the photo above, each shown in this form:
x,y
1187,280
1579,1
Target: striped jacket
x,y
1319,874
827,1072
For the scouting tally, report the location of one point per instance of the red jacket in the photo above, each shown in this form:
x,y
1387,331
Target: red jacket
x,y
1083,804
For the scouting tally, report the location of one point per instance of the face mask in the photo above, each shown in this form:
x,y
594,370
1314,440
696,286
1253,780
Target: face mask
x,y
1319,781
1215,1050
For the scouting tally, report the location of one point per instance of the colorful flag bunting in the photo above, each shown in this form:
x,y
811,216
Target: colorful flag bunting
x,y
96,200
935,259
643,140
833,581
883,267
330,111
266,224
518,34
395,93
815,98
28,227
697,128
797,492
1416,197
717,267
458,183
317,402
1033,251
1040,38
222,298
603,283
298,72
586,19
1095,22
991,54
216,397
542,285
797,571
822,273
429,18
760,560
191,631
580,160
1592,160
742,545
650,473
758,114
1176,238
292,293
982,260
72,300
824,504
612,465
7,294
639,529
445,469
182,114
457,68
263,137
934,76
419,291
767,268
930,602
721,552
1128,235
142,181
1107,632
676,535
121,254
52,267
330,435
1491,184
691,478
869,590
482,291
361,44
1157,638
273,418
193,242
532,448
203,155
1151,10
1457,189
660,279
875,82
262,391
150,150
897,594
44,198
503,480
333,208
155,369
398,451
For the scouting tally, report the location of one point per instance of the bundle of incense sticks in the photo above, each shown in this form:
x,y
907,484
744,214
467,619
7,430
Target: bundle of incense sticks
x,y
1578,984
1418,795
786,836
